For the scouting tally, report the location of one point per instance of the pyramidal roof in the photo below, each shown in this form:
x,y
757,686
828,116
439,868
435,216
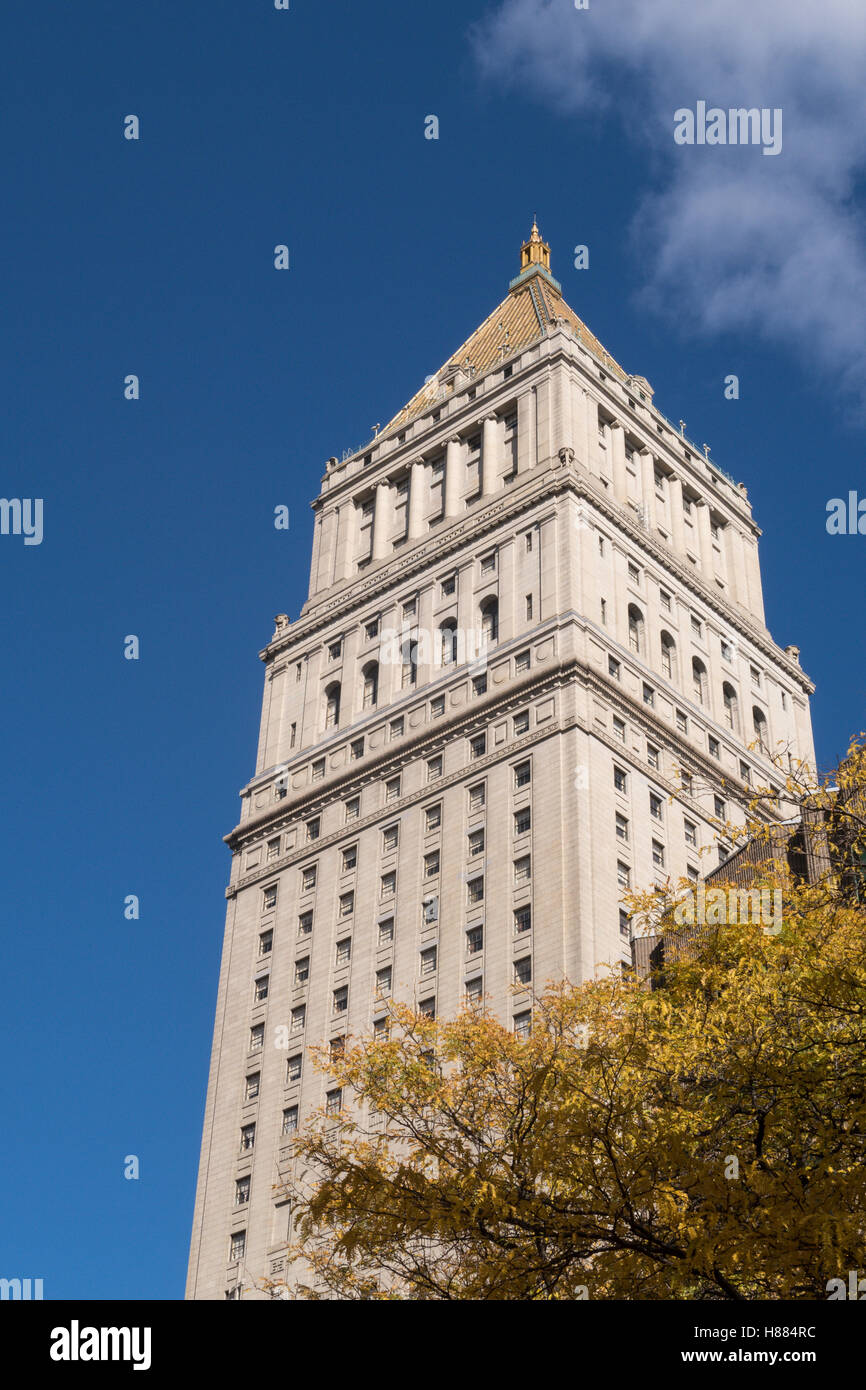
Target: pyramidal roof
x,y
534,305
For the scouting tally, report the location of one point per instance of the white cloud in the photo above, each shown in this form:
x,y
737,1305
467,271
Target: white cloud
x,y
738,241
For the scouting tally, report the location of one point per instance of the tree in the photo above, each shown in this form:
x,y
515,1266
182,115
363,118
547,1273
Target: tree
x,y
704,1140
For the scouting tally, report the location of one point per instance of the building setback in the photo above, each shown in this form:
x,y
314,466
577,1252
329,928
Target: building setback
x,y
532,651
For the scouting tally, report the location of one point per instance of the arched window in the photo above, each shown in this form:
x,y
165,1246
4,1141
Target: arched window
x,y
669,656
760,722
370,675
489,621
448,643
635,629
410,663
699,680
332,705
732,717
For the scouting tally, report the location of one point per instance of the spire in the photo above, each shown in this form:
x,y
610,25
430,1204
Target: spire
x,y
535,251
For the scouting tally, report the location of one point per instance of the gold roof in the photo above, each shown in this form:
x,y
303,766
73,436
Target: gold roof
x,y
533,307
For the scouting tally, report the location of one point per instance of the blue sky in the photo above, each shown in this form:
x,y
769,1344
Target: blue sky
x,y
155,257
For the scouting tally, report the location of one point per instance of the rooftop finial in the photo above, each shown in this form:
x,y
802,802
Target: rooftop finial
x,y
535,251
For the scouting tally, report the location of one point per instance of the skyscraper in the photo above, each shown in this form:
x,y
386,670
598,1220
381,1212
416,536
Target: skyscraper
x,y
532,660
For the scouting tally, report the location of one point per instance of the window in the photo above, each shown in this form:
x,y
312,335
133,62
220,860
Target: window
x,y
521,723
624,923
390,838
428,961
690,832
332,705
601,545
523,971
478,746
489,621
619,728
266,942
714,746
248,1138
687,506
293,734
635,629
261,989
656,807
341,999
257,1037
622,827
528,602
474,990
388,885
719,807
522,821
434,768
410,664
298,1019
427,1007
527,541
371,629
623,875
477,796
409,607
392,789
313,829
523,869
290,1120
603,611
633,572
433,817
335,651
251,1088
522,1024
381,1031
652,755
475,843
755,677
317,770
613,668
294,1066
699,680
383,981
665,600
745,772
686,781
488,562
682,722
727,650
474,941
692,873
350,858
658,854
305,923
784,699
448,643
347,904
370,676
430,906
449,585
238,1245
522,920
475,890
269,898
760,722
697,626
729,697
397,726
274,849
431,864
522,775
620,779
333,1102
353,808
649,695
437,707
386,931
668,656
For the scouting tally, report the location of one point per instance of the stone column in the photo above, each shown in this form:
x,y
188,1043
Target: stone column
x,y
383,520
453,467
344,539
617,448
705,539
491,456
648,484
753,571
678,531
578,420
418,493
527,452
737,586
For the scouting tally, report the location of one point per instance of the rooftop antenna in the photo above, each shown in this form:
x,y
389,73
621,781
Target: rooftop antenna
x,y
375,429
706,449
